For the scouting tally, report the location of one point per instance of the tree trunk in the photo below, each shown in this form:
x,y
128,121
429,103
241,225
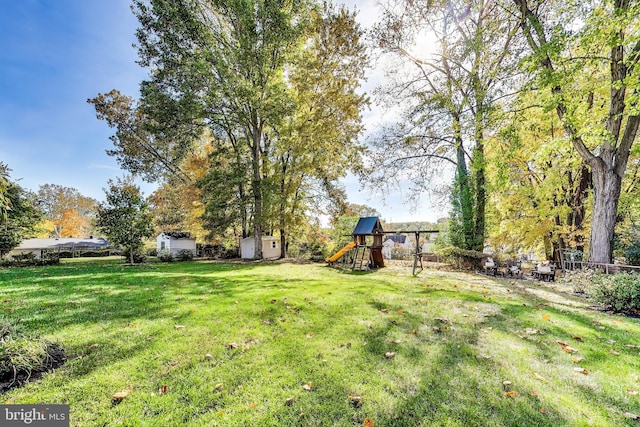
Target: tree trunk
x,y
257,190
480,197
606,192
578,208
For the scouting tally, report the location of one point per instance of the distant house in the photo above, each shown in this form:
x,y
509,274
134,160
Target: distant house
x,y
175,241
41,247
394,241
270,247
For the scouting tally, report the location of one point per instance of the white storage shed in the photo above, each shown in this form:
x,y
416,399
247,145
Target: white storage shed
x,y
270,247
175,241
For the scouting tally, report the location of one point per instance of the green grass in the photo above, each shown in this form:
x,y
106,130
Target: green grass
x,y
456,337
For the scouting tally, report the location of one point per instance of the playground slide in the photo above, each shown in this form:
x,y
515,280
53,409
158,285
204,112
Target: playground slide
x,y
341,252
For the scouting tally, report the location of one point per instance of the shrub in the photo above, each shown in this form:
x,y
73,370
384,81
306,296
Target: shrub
x,y
619,292
580,281
138,255
632,253
29,260
152,251
165,255
314,251
461,258
184,255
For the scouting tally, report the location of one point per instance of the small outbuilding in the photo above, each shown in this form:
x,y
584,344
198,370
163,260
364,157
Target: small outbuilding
x,y
175,241
270,247
368,234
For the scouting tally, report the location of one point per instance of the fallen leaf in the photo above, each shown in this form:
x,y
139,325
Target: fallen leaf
x,y
400,312
441,320
581,371
94,346
546,317
436,329
384,310
178,327
632,346
163,389
510,393
368,422
396,342
307,386
615,353
389,354
577,359
218,386
309,335
273,301
232,346
577,338
121,395
253,405
610,342
542,410
220,413
415,332
208,356
566,347
289,401
533,393
632,392
631,415
539,377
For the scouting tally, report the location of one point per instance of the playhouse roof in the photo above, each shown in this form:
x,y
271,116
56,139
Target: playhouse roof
x,y
367,226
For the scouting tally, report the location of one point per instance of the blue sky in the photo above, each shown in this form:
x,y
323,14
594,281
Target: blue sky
x,y
57,53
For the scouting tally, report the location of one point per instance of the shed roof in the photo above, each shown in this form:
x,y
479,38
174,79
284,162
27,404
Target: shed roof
x,y
62,243
176,234
367,226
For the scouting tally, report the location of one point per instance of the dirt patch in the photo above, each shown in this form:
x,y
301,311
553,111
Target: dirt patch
x,y
18,377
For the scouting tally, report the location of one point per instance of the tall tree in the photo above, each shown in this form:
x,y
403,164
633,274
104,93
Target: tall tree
x,y
224,61
177,204
124,216
317,143
70,212
450,94
597,44
274,82
20,216
538,183
4,189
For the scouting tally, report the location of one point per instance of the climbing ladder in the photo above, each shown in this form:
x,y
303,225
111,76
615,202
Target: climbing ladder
x,y
362,258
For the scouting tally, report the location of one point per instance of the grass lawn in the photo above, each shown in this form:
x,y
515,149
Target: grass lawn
x,y
269,344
